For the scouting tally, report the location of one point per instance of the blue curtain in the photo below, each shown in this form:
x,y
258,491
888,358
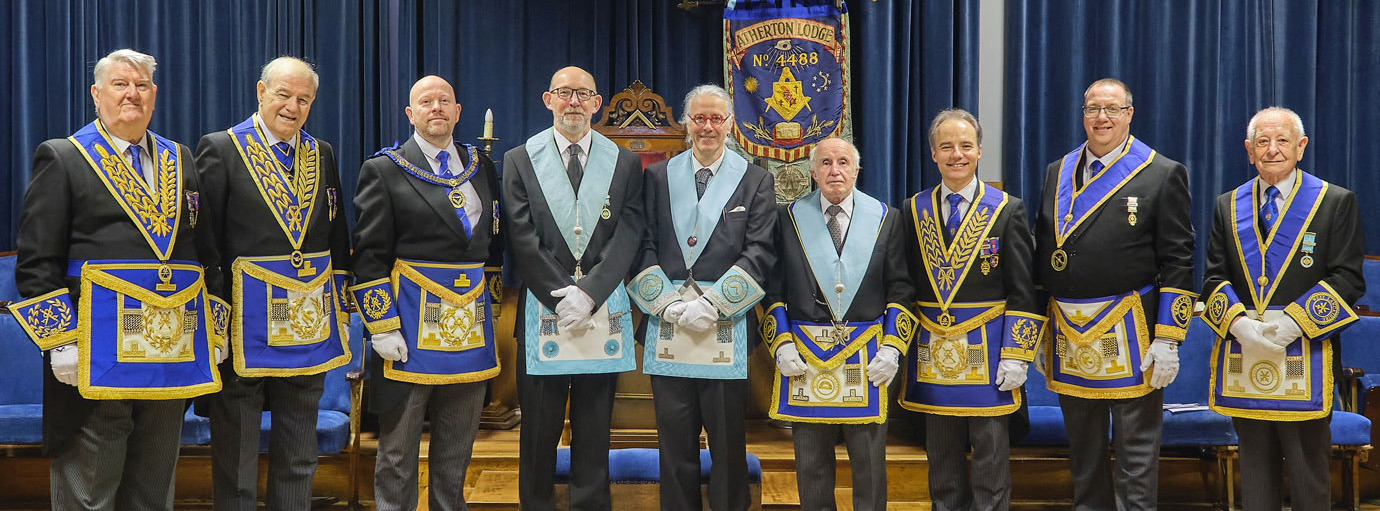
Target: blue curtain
x,y
1198,70
910,60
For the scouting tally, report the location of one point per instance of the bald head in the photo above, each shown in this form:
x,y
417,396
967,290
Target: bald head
x,y
572,100
288,67
433,110
286,90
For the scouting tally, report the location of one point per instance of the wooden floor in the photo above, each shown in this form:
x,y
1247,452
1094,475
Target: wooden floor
x,y
1040,477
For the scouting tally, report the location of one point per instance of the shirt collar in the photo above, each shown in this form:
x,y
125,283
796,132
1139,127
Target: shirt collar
x,y
1285,186
1108,158
431,151
122,145
713,166
846,204
563,144
270,139
968,191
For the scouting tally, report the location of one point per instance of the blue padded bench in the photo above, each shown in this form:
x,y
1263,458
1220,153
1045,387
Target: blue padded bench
x,y
21,396
1370,269
1200,428
635,474
333,414
1046,418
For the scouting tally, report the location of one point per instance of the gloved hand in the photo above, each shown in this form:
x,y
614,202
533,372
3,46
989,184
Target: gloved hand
x,y
64,359
221,354
1251,334
673,312
390,345
1010,374
1163,355
574,302
788,361
575,326
700,315
1286,331
882,369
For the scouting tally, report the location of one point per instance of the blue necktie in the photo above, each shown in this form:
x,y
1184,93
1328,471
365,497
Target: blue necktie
x,y
135,164
1269,211
954,217
444,158
283,152
1094,169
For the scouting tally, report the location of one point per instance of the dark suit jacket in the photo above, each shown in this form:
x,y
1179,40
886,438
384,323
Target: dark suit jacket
x,y
1108,256
1009,281
742,238
540,255
886,281
1338,255
400,216
70,215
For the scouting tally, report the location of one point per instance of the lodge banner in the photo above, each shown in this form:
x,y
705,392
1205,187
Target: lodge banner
x,y
787,69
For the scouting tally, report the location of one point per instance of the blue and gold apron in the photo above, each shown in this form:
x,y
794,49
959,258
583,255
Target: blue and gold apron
x,y
445,320
145,328
1295,385
287,308
835,388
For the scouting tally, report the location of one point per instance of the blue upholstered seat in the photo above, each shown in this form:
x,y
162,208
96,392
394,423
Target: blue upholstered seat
x,y
1046,419
21,394
1370,269
1200,427
642,466
333,413
1350,429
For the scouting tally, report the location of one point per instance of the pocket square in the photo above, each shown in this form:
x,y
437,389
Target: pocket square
x,y
737,209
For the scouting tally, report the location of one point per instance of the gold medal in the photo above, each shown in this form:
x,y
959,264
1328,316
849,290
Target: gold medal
x,y
1306,261
1131,219
1059,259
457,198
165,278
946,319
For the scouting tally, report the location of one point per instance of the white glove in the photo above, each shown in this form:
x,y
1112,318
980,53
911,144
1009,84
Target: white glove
x,y
1010,374
1287,331
699,315
1163,355
221,354
882,369
788,361
673,312
390,345
64,360
575,326
1251,334
575,303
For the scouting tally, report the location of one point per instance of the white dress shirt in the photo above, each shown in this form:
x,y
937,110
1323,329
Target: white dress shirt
x,y
967,192
472,206
1285,187
1106,159
844,216
146,169
563,145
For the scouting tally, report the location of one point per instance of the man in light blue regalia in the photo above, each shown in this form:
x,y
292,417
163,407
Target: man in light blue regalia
x,y
703,259
283,240
1283,270
120,275
969,250
837,324
573,203
427,226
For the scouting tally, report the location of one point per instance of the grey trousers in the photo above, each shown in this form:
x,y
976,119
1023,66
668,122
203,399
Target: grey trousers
x,y
123,457
814,464
952,488
1306,447
236,413
1132,483
455,411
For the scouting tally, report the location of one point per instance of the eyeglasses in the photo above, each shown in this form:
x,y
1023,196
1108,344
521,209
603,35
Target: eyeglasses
x,y
1112,111
565,92
716,120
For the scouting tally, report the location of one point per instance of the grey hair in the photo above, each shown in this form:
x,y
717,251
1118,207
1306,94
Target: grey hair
x,y
954,114
144,63
1293,119
1109,81
273,67
857,158
702,90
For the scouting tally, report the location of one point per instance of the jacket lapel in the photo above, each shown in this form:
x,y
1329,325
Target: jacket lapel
x,y
435,196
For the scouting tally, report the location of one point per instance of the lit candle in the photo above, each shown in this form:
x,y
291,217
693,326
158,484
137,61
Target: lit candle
x,y
489,123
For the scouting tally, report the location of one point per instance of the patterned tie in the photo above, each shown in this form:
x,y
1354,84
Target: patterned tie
x,y
444,171
1269,211
283,151
954,217
833,224
702,181
574,168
